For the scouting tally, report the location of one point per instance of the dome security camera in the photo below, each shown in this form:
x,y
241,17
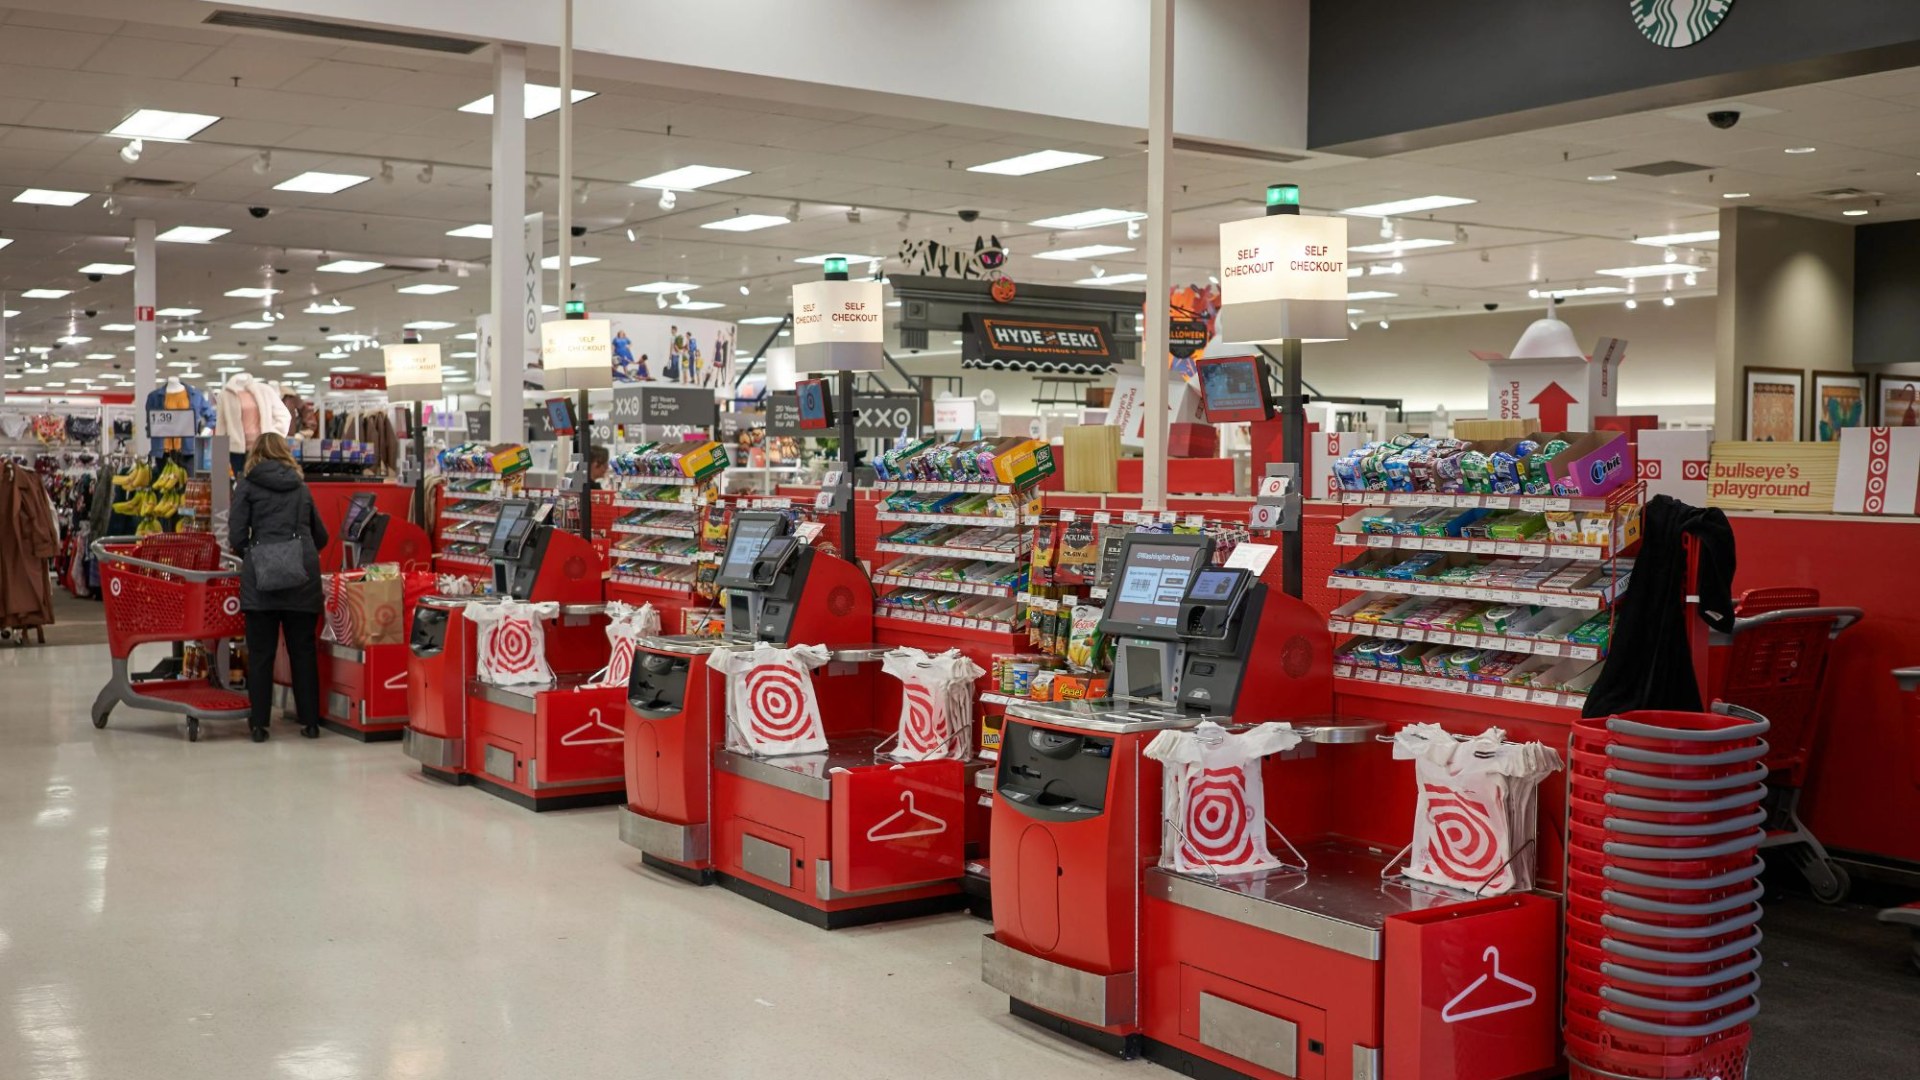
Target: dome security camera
x,y
273,337
1723,118
1491,307
969,216
578,230
91,312
96,278
326,329
283,269
258,211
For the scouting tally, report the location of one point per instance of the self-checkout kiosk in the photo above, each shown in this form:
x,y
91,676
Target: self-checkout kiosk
x,y
545,746
778,591
364,690
1330,966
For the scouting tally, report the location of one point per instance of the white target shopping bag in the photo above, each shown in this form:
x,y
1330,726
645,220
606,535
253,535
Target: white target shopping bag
x,y
512,649
772,710
1474,821
338,625
936,704
626,625
1213,803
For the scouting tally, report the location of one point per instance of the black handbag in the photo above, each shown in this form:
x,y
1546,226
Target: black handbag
x,y
279,564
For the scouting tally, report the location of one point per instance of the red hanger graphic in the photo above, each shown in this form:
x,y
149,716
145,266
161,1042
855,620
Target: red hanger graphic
x,y
1493,978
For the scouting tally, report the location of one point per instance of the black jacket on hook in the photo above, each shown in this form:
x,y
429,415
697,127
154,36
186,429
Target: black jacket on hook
x,y
1650,661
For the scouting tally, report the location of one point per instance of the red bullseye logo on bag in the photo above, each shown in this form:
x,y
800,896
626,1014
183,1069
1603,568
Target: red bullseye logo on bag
x,y
1463,845
924,732
781,702
1218,820
511,646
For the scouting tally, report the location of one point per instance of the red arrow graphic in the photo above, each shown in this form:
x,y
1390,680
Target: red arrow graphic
x,y
1553,402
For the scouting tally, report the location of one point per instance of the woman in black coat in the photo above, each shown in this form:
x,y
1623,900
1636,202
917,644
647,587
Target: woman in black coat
x,y
271,504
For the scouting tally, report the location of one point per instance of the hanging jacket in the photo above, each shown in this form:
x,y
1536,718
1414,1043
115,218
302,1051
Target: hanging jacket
x,y
1650,661
196,401
28,537
272,503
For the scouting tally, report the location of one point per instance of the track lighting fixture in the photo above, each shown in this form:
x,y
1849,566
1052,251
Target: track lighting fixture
x,y
744,291
630,238
1670,255
1632,303
906,221
1666,301
580,194
1133,229
666,198
680,298
111,207
853,215
263,163
873,267
386,172
130,153
660,301
793,210
426,174
1385,325
1459,234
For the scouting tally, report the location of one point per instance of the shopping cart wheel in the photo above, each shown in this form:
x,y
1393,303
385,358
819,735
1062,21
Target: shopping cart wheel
x,y
1829,880
193,730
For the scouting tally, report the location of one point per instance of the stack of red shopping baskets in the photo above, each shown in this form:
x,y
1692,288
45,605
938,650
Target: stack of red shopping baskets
x,y
1663,890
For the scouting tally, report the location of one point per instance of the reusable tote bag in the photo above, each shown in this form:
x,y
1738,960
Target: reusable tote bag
x,y
771,707
936,704
513,642
1474,821
1213,800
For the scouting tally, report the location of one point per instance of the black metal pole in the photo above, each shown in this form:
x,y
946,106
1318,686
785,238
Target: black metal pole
x,y
1293,439
848,457
420,479
583,435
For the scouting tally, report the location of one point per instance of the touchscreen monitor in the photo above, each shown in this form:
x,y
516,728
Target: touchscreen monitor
x,y
1143,600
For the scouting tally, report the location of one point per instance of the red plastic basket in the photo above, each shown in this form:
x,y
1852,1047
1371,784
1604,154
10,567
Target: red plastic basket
x,y
1586,881
1595,1052
1718,822
1626,908
1593,836
1640,731
1589,956
1624,932
1664,781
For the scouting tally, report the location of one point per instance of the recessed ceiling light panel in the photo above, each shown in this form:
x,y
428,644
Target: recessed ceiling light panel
x,y
192,234
690,178
47,197
349,266
163,125
1416,205
1090,251
321,183
1089,219
747,222
1038,161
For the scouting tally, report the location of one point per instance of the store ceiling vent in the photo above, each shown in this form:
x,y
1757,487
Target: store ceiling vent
x,y
1847,194
1202,146
1663,168
148,187
364,35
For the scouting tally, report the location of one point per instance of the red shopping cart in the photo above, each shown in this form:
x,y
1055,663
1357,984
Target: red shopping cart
x,y
1775,663
1909,679
169,587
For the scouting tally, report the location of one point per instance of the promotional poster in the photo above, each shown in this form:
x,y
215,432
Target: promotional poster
x,y
664,349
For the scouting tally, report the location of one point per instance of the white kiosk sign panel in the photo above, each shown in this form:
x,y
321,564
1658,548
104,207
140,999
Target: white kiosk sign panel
x,y
1283,276
838,325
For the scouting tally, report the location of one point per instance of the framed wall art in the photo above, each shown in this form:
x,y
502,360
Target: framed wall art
x,y
1771,409
1839,402
1896,401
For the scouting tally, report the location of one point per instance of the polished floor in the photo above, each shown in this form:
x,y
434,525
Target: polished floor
x,y
318,911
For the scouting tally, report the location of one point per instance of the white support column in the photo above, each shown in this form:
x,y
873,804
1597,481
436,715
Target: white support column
x,y
3,347
510,332
1153,350
566,159
146,338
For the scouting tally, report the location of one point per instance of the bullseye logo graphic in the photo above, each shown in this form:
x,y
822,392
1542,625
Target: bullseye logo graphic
x,y
1461,843
923,733
511,647
1693,470
620,666
779,703
231,605
1879,463
1218,826
1647,469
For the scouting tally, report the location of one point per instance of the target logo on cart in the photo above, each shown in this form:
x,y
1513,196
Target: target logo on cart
x,y
231,605
115,586
1218,824
925,731
1462,842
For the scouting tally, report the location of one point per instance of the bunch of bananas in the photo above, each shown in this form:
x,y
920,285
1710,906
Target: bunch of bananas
x,y
140,504
137,480
173,477
149,526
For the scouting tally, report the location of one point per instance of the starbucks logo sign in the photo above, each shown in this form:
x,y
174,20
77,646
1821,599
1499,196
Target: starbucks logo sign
x,y
1676,24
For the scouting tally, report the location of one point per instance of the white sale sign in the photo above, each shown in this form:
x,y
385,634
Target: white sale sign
x,y
413,372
